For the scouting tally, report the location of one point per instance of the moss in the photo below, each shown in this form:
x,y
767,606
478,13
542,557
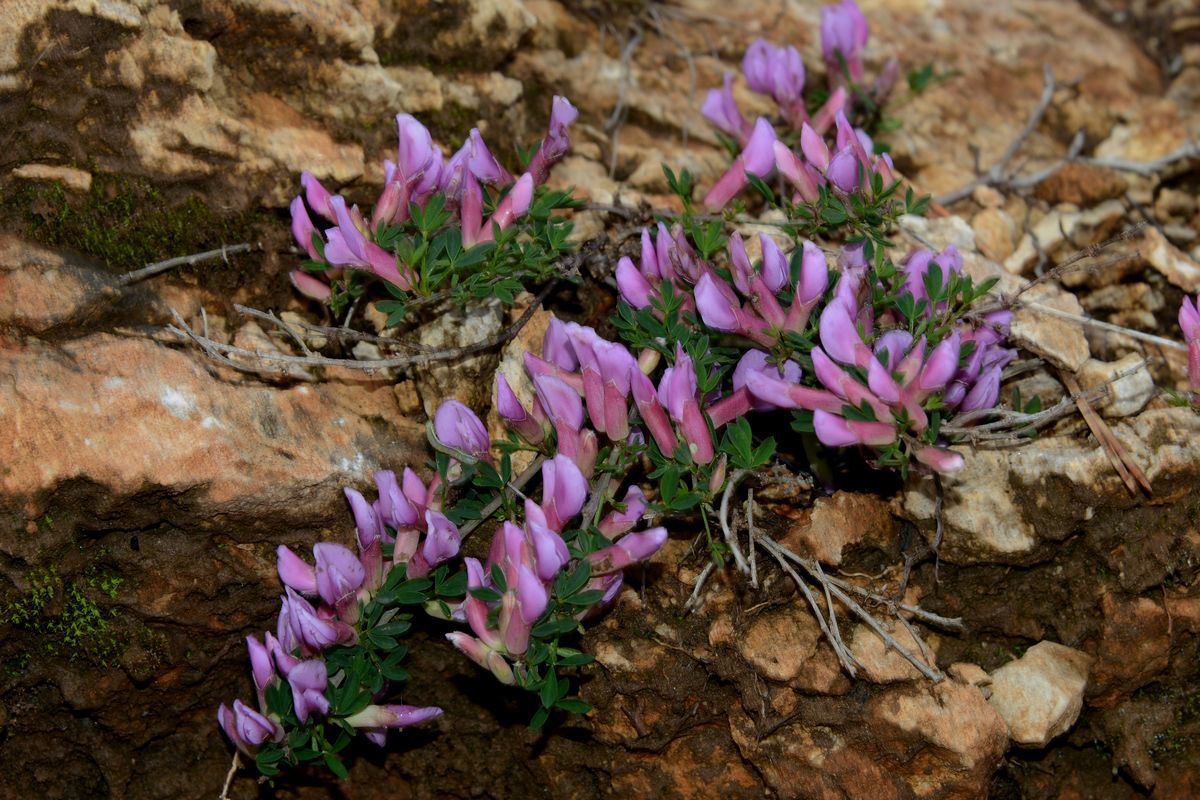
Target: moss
x,y
66,617
126,223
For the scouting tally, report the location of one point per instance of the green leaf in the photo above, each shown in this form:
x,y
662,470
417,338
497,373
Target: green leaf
x,y
549,691
539,719
572,705
336,766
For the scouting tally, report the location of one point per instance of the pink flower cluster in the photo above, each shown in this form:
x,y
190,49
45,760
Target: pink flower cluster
x,y
405,516
873,383
846,169
419,173
778,72
578,368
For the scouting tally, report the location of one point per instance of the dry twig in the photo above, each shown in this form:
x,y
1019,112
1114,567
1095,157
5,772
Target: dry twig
x,y
223,252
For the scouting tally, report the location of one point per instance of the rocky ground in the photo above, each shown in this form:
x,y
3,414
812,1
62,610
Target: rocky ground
x,y
144,488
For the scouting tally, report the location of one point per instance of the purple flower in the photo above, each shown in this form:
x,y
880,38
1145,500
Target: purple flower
x,y
458,427
757,361
1189,322
339,575
722,111
393,716
556,143
717,311
294,571
309,629
309,286
247,728
635,289
308,680
617,522
778,72
514,206
303,230
653,414
564,491
843,31
348,247
442,540
774,264
317,195
557,347
483,164
939,459
757,158
261,665
629,549
511,410
418,160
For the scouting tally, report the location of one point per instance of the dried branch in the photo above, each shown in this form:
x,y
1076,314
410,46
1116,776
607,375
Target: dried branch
x,y
723,516
222,352
998,174
149,270
233,768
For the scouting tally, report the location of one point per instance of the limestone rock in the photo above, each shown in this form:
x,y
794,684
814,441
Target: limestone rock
x,y
1175,265
994,233
1083,185
962,738
77,180
837,523
469,380
1040,694
787,645
1004,505
882,664
1126,396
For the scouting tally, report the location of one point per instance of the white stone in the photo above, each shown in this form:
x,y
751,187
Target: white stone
x,y
1039,695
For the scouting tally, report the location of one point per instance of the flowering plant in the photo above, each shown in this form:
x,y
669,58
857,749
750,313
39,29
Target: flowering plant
x,y
455,223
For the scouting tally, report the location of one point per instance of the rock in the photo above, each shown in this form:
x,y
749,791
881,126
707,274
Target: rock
x,y
1135,648
882,664
937,233
468,380
45,290
987,197
959,736
1176,266
1060,341
1040,695
112,419
787,645
839,522
1158,128
252,337
971,675
1126,396
77,180
1083,185
1062,232
1124,297
994,233
1005,506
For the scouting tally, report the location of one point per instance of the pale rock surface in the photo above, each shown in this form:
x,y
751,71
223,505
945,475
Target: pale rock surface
x,y
1175,265
883,664
1005,504
1127,395
787,645
1040,695
468,380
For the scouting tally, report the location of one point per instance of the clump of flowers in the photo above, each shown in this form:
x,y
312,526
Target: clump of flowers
x,y
891,349
779,73
336,655
437,221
